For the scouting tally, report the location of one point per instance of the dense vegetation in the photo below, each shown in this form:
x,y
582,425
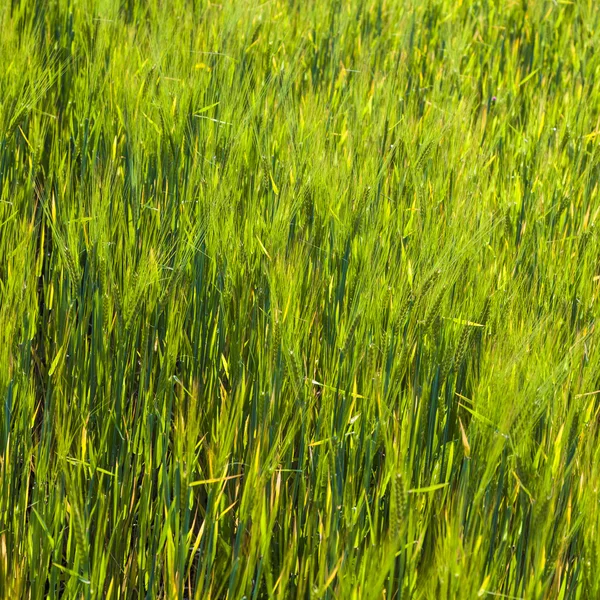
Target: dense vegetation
x,y
298,299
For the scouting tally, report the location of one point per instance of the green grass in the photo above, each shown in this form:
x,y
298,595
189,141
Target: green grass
x,y
298,299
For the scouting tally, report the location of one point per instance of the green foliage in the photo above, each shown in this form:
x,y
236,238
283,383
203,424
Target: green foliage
x,y
298,299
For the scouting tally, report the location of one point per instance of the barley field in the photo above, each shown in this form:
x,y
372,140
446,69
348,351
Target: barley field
x,y
299,299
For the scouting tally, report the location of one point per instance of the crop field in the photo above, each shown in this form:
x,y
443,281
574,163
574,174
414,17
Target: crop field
x,y
299,299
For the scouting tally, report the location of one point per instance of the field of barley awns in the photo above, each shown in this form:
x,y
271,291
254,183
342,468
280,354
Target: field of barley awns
x,y
299,299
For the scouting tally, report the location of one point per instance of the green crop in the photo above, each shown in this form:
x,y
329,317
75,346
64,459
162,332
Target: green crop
x,y
298,299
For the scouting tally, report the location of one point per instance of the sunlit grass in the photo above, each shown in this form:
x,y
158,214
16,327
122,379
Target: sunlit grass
x,y
298,299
